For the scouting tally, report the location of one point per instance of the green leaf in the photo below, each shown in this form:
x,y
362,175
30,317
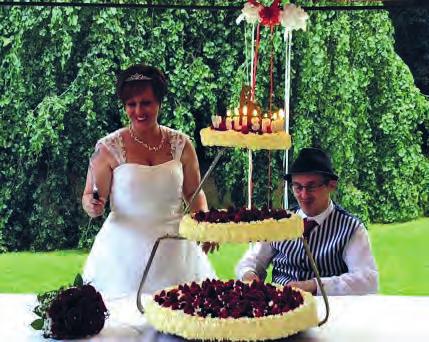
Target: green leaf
x,y
78,281
37,324
6,41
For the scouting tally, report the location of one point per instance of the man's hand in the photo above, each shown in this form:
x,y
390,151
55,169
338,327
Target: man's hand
x,y
306,285
250,276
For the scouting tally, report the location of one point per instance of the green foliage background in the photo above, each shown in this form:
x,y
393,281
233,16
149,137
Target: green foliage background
x,y
352,95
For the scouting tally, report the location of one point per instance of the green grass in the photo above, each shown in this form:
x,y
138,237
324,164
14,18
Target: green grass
x,y
402,255
37,272
400,250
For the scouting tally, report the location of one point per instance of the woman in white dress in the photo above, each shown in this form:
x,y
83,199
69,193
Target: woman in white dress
x,y
146,170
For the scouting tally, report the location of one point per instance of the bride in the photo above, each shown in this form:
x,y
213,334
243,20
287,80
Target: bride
x,y
147,170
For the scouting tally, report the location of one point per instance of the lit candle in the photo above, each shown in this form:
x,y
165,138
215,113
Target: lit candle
x,y
255,121
274,123
237,126
216,120
228,120
244,120
265,123
281,124
244,117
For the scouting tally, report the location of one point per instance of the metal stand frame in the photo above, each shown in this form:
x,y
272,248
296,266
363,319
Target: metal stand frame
x,y
319,281
176,237
149,264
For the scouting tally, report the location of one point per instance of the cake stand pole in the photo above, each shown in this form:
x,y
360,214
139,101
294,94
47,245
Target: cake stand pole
x,y
319,281
149,264
249,178
207,174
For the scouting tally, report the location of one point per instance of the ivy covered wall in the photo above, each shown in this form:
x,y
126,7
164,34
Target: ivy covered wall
x,y
352,95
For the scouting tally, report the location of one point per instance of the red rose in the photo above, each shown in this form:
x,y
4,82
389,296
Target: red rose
x,y
270,16
77,312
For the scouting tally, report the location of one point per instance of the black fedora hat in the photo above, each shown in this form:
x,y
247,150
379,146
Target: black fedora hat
x,y
312,160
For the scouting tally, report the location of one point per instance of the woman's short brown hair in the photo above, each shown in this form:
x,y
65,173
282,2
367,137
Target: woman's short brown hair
x,y
137,77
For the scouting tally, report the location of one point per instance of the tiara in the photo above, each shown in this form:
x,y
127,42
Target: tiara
x,y
138,77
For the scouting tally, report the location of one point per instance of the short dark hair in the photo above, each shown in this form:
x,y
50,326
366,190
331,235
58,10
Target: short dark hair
x,y
326,179
128,86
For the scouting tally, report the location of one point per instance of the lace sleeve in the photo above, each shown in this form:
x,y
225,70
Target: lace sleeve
x,y
177,143
115,145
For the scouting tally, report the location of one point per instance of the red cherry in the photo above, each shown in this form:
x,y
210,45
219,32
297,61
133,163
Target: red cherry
x,y
223,299
223,313
222,126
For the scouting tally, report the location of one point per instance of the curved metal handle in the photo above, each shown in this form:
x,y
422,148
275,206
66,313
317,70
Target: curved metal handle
x,y
319,281
149,264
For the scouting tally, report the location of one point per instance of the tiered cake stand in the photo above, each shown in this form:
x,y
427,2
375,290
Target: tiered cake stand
x,y
187,234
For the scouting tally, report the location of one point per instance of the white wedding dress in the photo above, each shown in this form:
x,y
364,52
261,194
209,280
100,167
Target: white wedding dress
x,y
145,203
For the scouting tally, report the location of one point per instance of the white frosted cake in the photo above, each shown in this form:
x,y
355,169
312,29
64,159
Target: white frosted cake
x,y
217,310
242,225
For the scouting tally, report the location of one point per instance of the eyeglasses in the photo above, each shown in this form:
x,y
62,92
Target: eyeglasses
x,y
296,187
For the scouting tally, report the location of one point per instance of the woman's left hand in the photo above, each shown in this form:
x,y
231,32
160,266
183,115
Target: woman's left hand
x,y
209,247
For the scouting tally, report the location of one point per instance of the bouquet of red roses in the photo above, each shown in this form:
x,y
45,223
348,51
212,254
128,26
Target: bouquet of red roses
x,y
76,311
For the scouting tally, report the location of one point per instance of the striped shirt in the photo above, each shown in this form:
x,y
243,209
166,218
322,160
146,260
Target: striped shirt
x,y
326,242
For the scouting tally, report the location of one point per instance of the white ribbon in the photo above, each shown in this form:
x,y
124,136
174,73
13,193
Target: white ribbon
x,y
288,57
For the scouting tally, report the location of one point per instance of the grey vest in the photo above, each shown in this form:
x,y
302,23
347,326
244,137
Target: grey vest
x,y
327,242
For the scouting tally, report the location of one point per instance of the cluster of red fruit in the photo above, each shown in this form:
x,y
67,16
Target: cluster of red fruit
x,y
245,129
240,215
216,298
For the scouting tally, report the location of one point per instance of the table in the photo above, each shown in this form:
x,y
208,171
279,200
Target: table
x,y
372,318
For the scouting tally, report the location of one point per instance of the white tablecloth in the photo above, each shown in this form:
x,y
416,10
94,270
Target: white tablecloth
x,y
372,318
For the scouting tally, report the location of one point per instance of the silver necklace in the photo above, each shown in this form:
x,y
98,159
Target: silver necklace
x,y
141,142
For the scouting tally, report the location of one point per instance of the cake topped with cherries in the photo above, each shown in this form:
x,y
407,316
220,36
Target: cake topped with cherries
x,y
231,310
215,298
241,225
237,215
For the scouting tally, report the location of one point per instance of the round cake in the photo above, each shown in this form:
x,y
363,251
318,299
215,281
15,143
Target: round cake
x,y
231,310
231,138
241,225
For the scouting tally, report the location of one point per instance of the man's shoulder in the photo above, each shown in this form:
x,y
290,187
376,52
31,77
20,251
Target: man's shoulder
x,y
343,212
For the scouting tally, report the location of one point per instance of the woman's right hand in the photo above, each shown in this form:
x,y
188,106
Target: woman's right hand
x,y
93,207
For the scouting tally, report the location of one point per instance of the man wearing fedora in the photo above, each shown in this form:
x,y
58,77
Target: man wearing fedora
x,y
338,240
